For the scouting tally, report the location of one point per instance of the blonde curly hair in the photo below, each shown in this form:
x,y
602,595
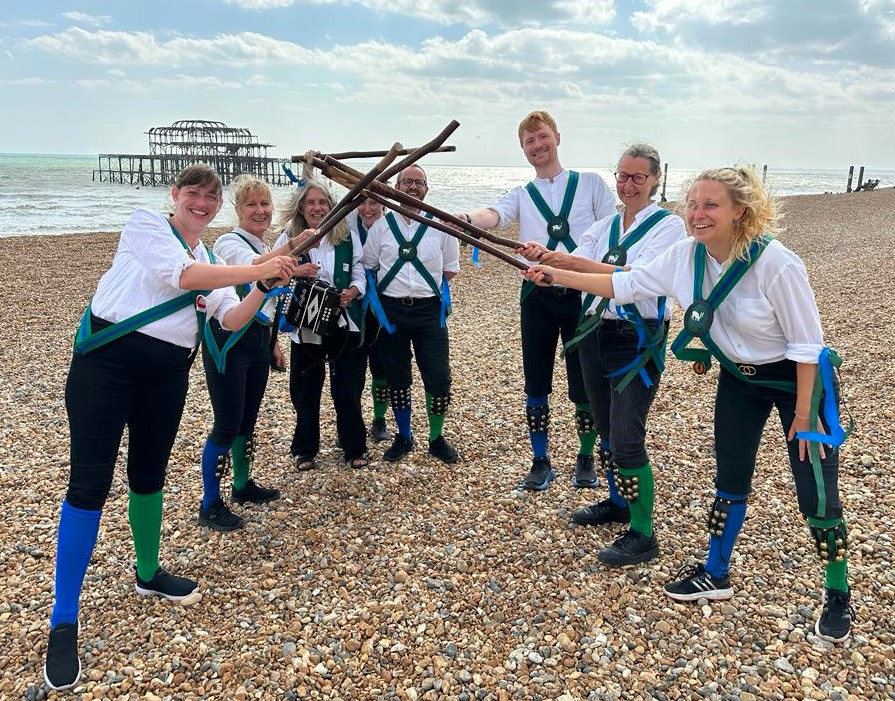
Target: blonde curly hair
x,y
760,210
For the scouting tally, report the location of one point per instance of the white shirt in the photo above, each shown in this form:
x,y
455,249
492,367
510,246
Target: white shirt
x,y
771,314
146,271
438,252
324,255
594,244
593,201
233,250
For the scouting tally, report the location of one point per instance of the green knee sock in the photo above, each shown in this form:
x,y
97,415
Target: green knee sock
x,y
436,421
642,507
377,389
144,511
240,462
587,432
836,576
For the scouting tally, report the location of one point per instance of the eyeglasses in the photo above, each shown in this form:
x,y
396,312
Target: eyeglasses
x,y
407,182
638,178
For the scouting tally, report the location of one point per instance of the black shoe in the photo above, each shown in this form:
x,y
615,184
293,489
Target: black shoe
x,y
219,517
629,549
834,622
443,450
398,449
166,585
585,476
62,668
602,512
378,431
254,493
540,476
696,583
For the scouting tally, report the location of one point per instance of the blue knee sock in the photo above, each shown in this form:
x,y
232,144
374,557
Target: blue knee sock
x,y
721,547
74,546
402,421
614,496
538,438
211,485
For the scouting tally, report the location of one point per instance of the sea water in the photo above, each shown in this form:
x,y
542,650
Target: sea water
x,y
56,194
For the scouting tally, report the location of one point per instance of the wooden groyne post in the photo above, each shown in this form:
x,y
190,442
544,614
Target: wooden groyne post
x,y
664,183
860,179
851,174
764,173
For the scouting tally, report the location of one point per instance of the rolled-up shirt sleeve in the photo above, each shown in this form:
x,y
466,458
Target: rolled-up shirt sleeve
x,y
507,207
148,237
795,307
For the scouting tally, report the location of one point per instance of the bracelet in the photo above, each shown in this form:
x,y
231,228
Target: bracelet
x,y
262,287
804,418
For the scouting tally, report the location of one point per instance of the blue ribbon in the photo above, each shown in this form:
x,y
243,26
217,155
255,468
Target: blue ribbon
x,y
445,300
830,407
291,176
475,256
641,329
373,302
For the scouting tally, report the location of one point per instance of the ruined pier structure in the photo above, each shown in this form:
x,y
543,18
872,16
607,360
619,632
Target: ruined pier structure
x,y
231,151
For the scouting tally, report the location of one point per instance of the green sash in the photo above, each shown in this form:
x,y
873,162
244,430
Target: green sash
x,y
699,316
344,256
616,255
407,254
557,224
86,340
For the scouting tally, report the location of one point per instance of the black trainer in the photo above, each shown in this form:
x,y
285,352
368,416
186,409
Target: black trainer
x,y
605,511
62,668
540,475
629,549
378,431
219,517
254,493
166,585
443,450
585,475
834,622
696,583
399,448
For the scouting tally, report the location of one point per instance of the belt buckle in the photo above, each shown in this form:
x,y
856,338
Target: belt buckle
x,y
747,370
407,301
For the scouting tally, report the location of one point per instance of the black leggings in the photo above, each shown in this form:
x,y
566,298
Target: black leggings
x,y
741,412
236,394
135,381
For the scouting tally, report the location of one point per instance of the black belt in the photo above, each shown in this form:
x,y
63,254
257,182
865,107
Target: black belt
x,y
410,301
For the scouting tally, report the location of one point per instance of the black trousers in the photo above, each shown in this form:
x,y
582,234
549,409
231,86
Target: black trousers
x,y
418,326
237,393
741,412
620,416
548,314
372,349
307,369
135,381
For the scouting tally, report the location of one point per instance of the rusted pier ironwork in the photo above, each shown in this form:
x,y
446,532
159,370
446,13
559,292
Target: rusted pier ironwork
x,y
231,151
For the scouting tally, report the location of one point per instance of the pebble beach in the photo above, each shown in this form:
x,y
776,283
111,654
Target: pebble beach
x,y
419,580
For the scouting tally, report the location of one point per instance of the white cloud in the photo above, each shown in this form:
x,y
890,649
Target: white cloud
x,y
260,4
83,18
26,82
473,13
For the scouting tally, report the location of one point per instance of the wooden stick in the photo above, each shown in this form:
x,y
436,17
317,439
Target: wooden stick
x,y
348,203
435,224
344,175
345,155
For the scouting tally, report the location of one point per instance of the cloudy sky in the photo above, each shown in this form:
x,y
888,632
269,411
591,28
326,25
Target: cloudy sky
x,y
791,83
